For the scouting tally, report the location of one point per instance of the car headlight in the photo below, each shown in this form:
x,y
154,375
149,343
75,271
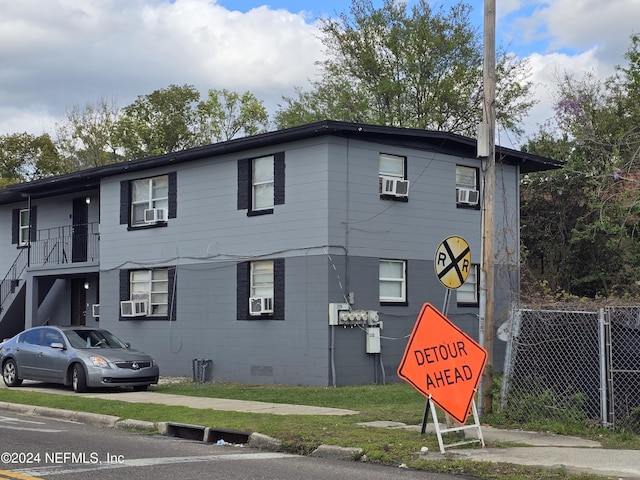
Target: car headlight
x,y
100,362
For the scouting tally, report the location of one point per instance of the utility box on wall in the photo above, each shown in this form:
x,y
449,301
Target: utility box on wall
x,y
373,339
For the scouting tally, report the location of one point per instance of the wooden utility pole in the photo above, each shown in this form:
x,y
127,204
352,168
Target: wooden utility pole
x,y
488,152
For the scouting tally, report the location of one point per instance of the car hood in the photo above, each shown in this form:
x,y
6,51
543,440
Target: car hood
x,y
117,354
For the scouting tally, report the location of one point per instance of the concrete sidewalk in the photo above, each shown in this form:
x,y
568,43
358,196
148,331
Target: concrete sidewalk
x,y
525,448
223,404
535,449
219,403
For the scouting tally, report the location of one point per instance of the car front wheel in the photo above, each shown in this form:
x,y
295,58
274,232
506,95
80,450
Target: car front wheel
x,y
78,379
10,374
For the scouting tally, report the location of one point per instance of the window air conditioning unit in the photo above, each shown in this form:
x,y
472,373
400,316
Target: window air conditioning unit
x,y
95,310
397,187
467,196
133,308
260,305
155,215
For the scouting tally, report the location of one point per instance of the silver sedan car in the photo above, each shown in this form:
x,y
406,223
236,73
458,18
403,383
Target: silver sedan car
x,y
82,357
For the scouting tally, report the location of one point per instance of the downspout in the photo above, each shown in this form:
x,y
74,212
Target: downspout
x,y
29,232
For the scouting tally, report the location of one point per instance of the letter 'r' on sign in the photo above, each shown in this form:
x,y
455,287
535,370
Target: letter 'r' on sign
x,y
443,362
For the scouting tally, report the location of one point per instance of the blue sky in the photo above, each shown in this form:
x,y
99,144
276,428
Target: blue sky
x,y
315,9
60,54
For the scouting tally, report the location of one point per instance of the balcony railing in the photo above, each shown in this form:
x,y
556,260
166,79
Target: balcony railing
x,y
67,244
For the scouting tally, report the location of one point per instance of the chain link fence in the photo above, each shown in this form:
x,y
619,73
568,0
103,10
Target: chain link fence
x,y
622,343
573,366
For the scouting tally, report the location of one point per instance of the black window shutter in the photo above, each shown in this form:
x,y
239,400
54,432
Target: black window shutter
x,y
171,313
124,285
278,289
173,195
278,178
242,289
125,202
244,184
15,226
33,223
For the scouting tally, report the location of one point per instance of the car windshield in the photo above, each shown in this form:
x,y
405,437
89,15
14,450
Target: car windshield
x,y
93,339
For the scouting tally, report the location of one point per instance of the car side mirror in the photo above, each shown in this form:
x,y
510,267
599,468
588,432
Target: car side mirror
x,y
57,345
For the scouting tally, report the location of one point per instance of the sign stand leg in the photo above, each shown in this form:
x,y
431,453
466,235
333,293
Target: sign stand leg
x,y
425,417
439,431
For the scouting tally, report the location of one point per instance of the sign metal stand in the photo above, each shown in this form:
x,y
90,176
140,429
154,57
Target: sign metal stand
x,y
440,431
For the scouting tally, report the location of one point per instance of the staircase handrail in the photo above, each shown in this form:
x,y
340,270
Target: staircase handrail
x,y
15,273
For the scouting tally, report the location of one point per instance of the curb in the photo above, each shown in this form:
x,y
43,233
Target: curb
x,y
336,452
110,421
255,440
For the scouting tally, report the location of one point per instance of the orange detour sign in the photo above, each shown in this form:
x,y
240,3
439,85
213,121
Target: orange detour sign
x,y
443,362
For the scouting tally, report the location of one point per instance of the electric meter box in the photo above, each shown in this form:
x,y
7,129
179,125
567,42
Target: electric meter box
x,y
373,339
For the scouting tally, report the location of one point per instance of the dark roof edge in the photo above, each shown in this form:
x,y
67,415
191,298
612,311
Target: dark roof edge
x,y
90,178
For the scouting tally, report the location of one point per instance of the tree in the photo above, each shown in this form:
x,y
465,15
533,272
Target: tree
x,y
408,68
225,115
163,121
579,224
88,138
25,157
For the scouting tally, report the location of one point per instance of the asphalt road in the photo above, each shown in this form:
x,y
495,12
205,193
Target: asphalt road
x,y
39,447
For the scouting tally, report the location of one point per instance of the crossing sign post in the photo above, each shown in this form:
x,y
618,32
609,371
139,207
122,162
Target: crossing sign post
x,y
443,363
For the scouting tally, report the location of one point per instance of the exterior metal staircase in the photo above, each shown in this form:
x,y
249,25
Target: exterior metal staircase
x,y
10,284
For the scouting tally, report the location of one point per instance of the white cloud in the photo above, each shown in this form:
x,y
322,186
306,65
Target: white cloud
x,y
547,70
567,36
58,53
574,25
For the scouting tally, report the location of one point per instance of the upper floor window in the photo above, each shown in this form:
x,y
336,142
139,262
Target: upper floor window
x,y
467,293
23,228
393,181
393,281
261,183
467,191
148,201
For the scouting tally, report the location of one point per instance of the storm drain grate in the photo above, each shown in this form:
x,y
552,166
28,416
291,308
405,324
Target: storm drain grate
x,y
206,434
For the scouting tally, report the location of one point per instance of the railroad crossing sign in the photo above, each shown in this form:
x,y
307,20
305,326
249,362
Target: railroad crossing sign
x,y
452,261
443,363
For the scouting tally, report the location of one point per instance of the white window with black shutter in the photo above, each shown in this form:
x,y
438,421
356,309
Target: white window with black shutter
x,y
260,290
148,293
148,202
261,183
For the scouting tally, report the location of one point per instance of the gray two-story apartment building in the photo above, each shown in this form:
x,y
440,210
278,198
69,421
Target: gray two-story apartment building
x,y
300,256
